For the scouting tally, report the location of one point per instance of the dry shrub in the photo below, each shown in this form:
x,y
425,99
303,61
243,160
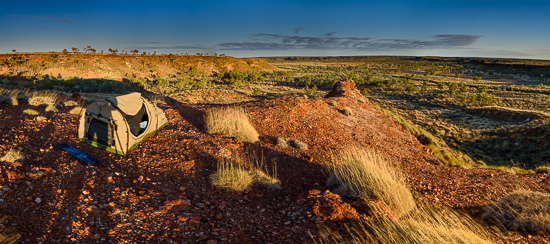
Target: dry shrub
x,y
43,99
70,103
282,142
232,176
427,224
543,169
30,112
12,156
347,111
76,110
286,142
7,234
363,173
41,118
232,122
522,210
10,96
332,103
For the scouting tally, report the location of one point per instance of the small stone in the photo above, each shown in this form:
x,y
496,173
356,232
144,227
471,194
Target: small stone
x,y
85,192
287,223
203,237
140,178
110,179
211,242
38,200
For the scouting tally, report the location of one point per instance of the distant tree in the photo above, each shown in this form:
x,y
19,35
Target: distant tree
x,y
75,50
154,53
144,53
101,51
65,51
134,52
113,51
92,50
13,50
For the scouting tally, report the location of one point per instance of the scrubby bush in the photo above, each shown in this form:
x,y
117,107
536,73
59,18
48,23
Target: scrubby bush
x,y
232,122
363,173
30,112
522,210
543,169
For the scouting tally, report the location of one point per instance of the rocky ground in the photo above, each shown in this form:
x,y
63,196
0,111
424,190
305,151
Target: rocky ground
x,y
161,192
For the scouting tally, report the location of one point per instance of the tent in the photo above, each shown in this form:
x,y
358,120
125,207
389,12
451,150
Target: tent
x,y
118,124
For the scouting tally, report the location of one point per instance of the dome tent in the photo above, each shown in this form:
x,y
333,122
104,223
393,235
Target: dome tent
x,y
118,124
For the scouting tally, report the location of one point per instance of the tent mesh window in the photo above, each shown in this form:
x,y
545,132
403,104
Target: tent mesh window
x,y
100,132
134,121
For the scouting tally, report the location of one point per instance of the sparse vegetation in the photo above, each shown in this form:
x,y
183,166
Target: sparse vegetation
x,y
347,111
429,224
232,176
7,234
12,156
286,142
30,111
232,122
522,210
543,169
362,173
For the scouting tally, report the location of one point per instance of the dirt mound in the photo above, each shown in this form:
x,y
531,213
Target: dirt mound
x,y
162,192
345,88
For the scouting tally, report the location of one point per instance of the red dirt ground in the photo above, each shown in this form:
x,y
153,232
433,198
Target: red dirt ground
x,y
162,193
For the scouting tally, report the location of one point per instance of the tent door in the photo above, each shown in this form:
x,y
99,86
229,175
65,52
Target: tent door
x,y
100,132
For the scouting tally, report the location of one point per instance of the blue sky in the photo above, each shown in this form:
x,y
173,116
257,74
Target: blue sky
x,y
516,29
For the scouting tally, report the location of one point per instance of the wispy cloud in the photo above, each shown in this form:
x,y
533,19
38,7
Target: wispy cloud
x,y
68,21
270,41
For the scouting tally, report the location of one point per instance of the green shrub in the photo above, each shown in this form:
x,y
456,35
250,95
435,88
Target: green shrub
x,y
286,142
543,169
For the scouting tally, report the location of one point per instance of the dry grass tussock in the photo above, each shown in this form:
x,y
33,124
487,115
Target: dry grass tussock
x,y
10,97
232,122
232,176
427,224
543,169
522,210
363,173
12,156
46,98
7,234
76,110
286,142
30,111
347,111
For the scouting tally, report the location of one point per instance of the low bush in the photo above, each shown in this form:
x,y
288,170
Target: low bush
x,y
363,173
232,122
522,210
